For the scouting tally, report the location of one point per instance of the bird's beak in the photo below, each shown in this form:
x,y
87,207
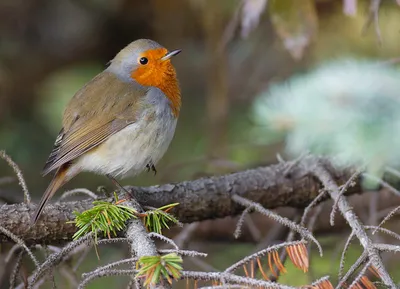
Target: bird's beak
x,y
170,54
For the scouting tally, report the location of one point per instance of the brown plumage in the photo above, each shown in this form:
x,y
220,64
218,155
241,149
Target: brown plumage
x,y
120,121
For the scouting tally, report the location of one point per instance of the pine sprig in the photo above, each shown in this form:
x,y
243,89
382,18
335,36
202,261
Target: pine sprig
x,y
157,219
153,268
103,217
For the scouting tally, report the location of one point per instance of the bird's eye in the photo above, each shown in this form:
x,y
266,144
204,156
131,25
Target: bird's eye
x,y
143,60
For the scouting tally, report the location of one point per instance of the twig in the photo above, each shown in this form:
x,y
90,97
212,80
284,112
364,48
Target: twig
x,y
313,203
352,269
17,170
383,230
342,191
342,258
284,221
100,274
83,191
347,212
163,238
240,222
362,273
189,253
389,216
231,278
56,258
21,243
15,271
110,266
387,248
226,286
251,257
112,240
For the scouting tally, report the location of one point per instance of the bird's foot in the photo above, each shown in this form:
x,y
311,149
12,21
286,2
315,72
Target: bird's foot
x,y
151,166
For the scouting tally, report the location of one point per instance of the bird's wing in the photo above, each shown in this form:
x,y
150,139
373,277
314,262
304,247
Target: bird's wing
x,y
93,116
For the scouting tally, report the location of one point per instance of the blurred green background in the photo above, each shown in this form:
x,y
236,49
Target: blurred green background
x,y
232,51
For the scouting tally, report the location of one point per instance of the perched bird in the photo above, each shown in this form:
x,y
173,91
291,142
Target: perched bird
x,y
121,122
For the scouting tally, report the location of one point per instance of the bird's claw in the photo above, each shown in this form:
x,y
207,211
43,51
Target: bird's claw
x,y
150,166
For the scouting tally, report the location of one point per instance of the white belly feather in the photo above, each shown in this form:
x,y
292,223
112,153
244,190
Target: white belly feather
x,y
127,152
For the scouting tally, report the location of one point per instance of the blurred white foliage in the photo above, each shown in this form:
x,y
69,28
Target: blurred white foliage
x,y
251,13
348,109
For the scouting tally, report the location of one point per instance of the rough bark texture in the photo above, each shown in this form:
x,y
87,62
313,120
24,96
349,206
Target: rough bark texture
x,y
201,199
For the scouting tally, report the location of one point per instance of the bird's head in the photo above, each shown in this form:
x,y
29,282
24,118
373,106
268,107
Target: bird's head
x,y
148,63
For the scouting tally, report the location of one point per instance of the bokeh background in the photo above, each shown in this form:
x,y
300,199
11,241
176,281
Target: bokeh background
x,y
232,51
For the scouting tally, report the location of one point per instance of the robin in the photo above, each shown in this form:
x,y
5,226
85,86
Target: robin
x,y
121,122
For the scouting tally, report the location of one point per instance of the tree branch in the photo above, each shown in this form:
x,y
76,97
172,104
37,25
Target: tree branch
x,y
202,199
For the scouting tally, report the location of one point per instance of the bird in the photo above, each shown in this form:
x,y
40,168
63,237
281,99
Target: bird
x,y
119,123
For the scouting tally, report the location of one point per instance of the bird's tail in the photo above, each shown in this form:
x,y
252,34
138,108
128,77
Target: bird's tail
x,y
59,179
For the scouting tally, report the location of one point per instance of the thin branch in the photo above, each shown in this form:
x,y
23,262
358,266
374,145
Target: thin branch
x,y
78,191
56,258
108,273
112,241
21,243
350,182
240,222
352,269
17,170
389,216
15,271
110,266
314,202
387,248
217,276
347,212
189,253
361,274
254,256
383,230
284,221
226,286
163,238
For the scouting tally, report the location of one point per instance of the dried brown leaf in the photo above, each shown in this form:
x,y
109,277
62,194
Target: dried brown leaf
x,y
367,283
373,270
299,256
261,269
326,284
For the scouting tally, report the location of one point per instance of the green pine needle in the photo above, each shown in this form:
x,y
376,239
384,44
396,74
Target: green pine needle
x,y
158,219
104,217
153,268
